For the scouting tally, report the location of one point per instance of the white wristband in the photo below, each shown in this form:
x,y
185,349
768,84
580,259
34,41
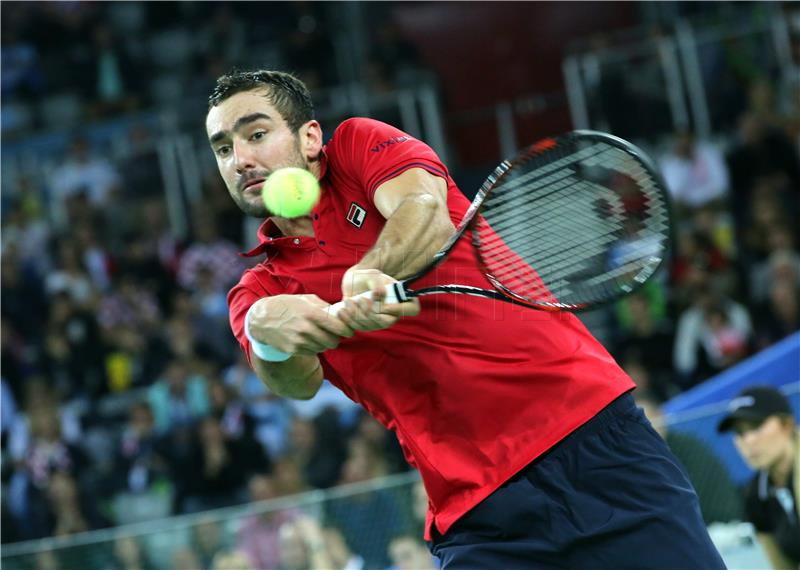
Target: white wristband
x,y
262,350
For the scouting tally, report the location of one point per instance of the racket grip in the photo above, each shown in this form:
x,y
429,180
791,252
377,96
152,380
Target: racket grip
x,y
391,297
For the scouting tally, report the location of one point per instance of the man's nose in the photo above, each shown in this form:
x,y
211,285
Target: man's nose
x,y
243,157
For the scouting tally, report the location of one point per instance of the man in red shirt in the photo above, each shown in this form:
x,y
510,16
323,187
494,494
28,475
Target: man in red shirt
x,y
520,423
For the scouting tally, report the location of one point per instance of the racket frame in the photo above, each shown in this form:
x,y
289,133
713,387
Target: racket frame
x,y
402,292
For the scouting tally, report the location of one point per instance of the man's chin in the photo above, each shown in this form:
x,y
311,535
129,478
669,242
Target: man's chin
x,y
253,208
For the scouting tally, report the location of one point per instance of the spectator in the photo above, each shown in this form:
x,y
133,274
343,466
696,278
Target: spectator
x,y
70,276
138,463
712,334
238,428
24,301
185,558
218,470
8,410
259,535
302,545
94,255
782,264
695,172
383,441
696,258
178,396
129,304
645,335
353,514
14,352
82,172
231,561
207,542
211,253
759,151
22,72
340,554
780,315
769,211
316,446
129,555
27,232
111,75
72,512
419,508
765,434
409,553
270,413
719,497
140,172
289,476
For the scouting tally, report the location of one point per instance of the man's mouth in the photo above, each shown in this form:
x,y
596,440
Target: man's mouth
x,y
254,183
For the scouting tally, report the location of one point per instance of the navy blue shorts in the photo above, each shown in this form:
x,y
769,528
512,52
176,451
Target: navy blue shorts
x,y
610,495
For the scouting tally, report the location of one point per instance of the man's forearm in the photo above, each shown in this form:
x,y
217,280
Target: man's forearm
x,y
412,235
298,378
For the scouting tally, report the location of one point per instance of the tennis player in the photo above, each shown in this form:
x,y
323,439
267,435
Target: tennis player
x,y
530,447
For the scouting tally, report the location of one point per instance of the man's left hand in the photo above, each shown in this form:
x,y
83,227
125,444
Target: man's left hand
x,y
365,314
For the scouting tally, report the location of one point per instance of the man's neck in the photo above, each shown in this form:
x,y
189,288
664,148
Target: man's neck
x,y
295,227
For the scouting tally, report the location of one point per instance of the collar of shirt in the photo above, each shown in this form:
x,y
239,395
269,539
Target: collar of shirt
x,y
270,236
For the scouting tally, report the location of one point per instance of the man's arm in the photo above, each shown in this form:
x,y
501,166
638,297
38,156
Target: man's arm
x,y
299,325
417,223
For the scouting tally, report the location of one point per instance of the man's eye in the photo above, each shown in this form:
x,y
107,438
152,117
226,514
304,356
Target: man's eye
x,y
258,135
223,150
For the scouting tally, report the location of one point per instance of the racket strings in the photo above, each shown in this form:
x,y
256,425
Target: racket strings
x,y
573,224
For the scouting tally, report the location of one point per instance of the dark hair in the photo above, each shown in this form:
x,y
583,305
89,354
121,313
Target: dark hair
x,y
285,92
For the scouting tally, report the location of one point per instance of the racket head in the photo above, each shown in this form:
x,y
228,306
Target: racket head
x,y
571,223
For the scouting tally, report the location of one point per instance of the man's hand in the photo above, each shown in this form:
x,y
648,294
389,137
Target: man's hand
x,y
371,314
296,324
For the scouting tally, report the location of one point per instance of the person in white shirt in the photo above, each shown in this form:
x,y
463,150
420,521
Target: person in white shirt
x,y
695,172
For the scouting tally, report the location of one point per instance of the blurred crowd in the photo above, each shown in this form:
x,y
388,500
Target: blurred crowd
x,y
66,63
733,284
124,394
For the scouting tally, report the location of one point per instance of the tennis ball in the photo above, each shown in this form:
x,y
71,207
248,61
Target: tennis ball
x,y
290,192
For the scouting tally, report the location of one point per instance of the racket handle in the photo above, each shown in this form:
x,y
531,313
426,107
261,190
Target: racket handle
x,y
392,296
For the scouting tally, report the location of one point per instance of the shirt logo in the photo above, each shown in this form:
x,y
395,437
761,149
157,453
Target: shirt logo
x,y
356,215
390,141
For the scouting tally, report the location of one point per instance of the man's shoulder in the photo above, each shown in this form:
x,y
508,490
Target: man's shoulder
x,y
361,127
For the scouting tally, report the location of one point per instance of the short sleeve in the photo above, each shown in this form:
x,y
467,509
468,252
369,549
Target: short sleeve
x,y
375,152
255,284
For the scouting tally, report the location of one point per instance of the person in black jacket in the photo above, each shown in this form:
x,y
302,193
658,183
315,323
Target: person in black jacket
x,y
765,433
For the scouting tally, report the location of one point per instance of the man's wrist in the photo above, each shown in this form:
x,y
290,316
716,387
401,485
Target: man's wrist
x,y
263,350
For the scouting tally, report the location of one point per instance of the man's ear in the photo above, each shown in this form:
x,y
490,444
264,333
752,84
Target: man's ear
x,y
311,139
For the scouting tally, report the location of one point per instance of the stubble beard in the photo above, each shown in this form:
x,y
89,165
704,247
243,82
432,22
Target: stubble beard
x,y
252,205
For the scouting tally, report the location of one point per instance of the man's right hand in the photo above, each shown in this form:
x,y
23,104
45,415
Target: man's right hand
x,y
296,324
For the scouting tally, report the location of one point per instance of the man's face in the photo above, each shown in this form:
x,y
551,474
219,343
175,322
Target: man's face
x,y
250,140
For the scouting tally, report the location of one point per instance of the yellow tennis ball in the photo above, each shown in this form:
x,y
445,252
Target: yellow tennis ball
x,y
290,192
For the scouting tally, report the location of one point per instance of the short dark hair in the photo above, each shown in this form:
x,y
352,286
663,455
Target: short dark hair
x,y
285,92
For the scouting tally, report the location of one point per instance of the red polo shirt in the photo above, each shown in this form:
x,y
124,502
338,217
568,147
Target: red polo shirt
x,y
474,389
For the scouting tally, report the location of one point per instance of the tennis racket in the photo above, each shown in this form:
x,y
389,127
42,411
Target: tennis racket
x,y
570,223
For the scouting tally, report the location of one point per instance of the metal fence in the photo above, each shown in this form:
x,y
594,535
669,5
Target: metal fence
x,y
366,517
